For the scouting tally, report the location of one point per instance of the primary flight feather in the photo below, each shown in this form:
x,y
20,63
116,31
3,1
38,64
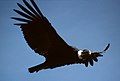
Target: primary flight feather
x,y
44,40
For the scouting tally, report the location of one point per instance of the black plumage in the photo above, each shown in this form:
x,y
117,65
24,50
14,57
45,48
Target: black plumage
x,y
44,40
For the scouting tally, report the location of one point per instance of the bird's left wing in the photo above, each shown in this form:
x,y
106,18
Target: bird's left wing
x,y
37,30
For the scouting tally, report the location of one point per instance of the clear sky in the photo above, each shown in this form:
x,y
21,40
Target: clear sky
x,y
90,24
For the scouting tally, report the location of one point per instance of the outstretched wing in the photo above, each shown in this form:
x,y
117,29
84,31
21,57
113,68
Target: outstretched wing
x,y
37,30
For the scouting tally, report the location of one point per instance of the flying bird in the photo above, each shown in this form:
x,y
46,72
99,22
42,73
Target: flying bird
x,y
41,36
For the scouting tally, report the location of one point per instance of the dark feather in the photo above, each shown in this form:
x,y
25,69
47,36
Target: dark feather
x,y
30,7
23,14
86,64
27,11
91,62
95,59
19,24
36,7
20,19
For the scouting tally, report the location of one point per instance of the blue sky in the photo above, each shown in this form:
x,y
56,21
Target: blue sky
x,y
90,24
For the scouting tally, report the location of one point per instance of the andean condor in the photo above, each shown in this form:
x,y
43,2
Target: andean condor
x,y
44,40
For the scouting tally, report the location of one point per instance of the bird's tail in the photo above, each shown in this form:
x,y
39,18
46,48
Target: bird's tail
x,y
37,68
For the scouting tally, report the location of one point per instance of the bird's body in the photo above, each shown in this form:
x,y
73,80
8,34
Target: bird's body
x,y
44,40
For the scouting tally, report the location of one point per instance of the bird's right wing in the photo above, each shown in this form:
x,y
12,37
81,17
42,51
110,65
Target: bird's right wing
x,y
37,30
